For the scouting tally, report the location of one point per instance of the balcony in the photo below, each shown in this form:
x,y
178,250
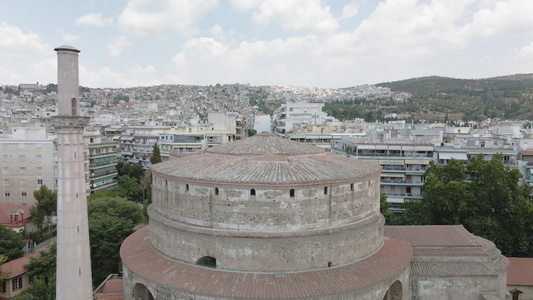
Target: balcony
x,y
99,186
403,169
103,144
103,164
96,176
401,182
404,195
102,154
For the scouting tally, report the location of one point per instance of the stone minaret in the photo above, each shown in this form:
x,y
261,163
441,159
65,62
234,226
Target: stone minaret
x,y
73,278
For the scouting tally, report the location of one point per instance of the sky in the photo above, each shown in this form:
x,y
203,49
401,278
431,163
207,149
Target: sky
x,y
324,43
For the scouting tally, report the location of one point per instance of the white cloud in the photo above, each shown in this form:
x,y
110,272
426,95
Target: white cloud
x,y
350,10
150,18
69,38
94,19
296,15
246,4
106,77
118,46
216,30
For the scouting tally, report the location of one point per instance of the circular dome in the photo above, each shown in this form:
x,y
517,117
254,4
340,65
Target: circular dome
x,y
266,159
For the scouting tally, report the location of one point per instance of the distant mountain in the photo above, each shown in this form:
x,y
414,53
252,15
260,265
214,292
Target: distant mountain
x,y
509,97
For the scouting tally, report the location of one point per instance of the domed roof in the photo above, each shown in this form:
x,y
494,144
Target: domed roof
x,y
266,159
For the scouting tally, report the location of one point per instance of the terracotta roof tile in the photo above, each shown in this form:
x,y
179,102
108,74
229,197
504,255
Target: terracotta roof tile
x,y
433,235
5,216
138,255
520,272
16,267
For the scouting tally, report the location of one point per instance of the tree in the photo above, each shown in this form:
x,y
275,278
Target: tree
x,y
110,222
129,188
43,266
46,206
135,171
11,243
484,196
384,209
156,155
39,290
3,274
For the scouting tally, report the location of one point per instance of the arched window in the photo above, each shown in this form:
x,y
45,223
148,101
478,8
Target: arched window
x,y
207,261
291,193
252,192
74,107
216,191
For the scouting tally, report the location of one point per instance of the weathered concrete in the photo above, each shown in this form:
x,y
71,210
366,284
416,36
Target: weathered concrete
x,y
73,275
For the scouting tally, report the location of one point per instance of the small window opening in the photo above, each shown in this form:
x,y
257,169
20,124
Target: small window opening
x,y
351,187
329,264
74,154
292,193
216,191
252,192
208,262
325,190
186,187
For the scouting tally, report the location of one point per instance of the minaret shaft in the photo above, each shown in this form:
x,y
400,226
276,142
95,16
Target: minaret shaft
x,y
73,277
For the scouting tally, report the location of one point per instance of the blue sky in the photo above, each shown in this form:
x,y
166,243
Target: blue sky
x,y
326,43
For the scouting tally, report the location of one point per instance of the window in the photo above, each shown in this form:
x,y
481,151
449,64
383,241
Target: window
x,y
6,181
38,146
216,191
5,170
22,158
17,283
351,187
252,192
325,190
23,194
5,146
39,181
39,170
39,157
23,182
5,157
291,193
22,146
7,194
22,170
207,261
186,187
3,286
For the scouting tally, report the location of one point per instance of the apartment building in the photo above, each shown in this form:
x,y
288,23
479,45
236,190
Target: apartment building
x,y
137,143
292,117
101,161
27,154
404,164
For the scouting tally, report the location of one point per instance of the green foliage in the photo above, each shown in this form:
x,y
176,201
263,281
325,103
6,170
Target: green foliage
x,y
110,222
129,188
508,97
135,171
9,90
384,209
252,132
40,289
3,274
156,155
11,243
46,206
44,266
117,98
51,87
484,196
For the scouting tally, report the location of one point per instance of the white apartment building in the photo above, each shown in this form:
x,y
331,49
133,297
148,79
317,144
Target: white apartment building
x,y
27,155
101,161
291,117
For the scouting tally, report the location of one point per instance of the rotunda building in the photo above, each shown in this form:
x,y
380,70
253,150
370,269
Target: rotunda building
x,y
265,218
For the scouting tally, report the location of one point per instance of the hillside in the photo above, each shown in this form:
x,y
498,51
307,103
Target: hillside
x,y
508,97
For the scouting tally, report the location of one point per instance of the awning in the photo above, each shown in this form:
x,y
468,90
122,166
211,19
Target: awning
x,y
417,161
450,155
366,147
393,162
395,147
424,148
396,175
382,147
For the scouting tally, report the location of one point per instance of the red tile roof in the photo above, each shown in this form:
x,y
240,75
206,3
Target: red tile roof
x,y
141,259
520,271
5,209
112,289
16,267
433,235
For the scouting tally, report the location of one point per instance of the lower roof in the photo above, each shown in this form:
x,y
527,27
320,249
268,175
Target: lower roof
x,y
143,261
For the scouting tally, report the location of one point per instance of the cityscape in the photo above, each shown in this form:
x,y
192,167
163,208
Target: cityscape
x,y
266,149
